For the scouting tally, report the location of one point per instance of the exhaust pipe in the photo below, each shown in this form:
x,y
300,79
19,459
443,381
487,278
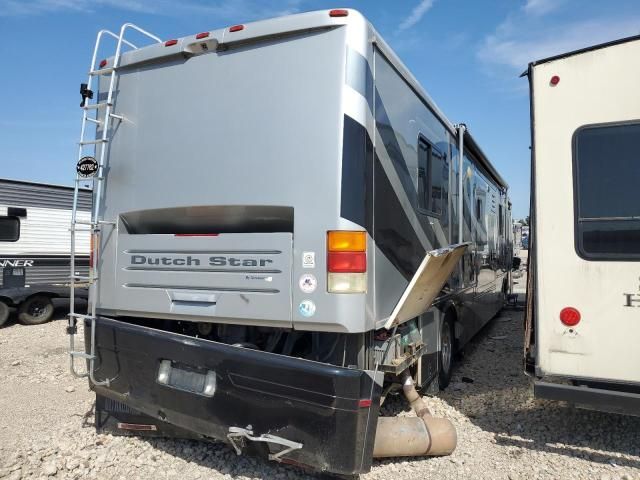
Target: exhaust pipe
x,y
414,436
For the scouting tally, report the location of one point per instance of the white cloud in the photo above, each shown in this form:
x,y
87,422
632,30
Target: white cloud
x,y
238,10
541,7
416,14
516,42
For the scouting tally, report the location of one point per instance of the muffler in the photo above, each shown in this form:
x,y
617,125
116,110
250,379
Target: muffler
x,y
414,436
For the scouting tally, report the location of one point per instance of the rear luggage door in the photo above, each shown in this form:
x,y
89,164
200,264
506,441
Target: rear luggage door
x,y
426,284
205,277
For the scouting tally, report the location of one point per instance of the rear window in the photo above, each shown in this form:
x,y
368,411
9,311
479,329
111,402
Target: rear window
x,y
607,186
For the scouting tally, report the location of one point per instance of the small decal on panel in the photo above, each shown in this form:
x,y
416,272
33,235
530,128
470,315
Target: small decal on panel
x,y
308,259
308,283
307,308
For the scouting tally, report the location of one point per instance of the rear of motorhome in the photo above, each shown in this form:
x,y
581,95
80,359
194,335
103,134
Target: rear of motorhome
x,y
34,247
287,229
583,292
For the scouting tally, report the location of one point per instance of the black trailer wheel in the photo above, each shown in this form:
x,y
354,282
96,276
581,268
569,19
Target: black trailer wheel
x,y
4,313
445,356
35,310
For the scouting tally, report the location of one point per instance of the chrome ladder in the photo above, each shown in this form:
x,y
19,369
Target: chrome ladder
x,y
99,143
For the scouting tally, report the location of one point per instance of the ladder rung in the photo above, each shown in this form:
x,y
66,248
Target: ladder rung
x,y
93,120
79,278
95,106
84,222
82,355
102,71
94,142
81,316
117,117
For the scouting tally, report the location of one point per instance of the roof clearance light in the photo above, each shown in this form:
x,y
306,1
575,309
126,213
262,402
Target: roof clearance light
x,y
338,13
236,28
570,316
169,43
555,80
202,35
103,63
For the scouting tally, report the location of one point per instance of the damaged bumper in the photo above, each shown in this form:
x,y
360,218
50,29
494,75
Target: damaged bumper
x,y
300,411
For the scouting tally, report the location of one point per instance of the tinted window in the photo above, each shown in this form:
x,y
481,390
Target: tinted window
x,y
9,229
607,178
431,177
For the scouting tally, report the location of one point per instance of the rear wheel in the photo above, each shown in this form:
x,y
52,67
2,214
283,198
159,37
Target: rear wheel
x,y
446,352
4,313
35,310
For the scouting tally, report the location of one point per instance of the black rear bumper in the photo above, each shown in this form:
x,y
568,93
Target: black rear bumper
x,y
315,404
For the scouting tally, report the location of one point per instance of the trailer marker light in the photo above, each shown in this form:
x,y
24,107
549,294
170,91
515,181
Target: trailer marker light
x,y
364,403
345,241
347,262
236,28
555,80
570,316
103,63
202,35
338,13
169,43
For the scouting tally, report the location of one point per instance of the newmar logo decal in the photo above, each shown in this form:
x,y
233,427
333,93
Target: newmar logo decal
x,y
7,262
190,261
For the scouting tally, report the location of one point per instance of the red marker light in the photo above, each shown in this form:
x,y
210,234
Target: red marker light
x,y
236,28
364,403
169,43
570,316
338,13
202,35
555,80
347,262
103,63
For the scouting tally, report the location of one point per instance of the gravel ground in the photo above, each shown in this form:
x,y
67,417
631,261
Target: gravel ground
x,y
46,424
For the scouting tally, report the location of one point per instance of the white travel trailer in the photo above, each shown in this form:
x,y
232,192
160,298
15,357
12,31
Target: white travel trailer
x,y
279,207
34,247
583,291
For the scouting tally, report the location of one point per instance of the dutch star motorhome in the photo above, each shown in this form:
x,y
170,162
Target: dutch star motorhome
x,y
582,305
34,247
287,229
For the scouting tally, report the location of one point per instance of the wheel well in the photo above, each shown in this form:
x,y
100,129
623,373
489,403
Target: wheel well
x,y
7,301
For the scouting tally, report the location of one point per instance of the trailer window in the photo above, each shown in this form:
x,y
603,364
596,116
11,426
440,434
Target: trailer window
x,y
431,178
9,229
606,182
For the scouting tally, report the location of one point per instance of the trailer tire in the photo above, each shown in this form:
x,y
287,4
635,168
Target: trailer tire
x,y
35,310
4,312
445,354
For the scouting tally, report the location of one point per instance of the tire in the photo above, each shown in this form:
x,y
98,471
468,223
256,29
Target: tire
x,y
35,310
4,313
445,355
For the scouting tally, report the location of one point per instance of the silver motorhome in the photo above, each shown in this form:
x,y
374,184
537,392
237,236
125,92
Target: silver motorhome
x,y
34,247
287,228
582,316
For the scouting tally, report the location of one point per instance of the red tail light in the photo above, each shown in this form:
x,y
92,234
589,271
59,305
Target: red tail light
x,y
570,316
347,262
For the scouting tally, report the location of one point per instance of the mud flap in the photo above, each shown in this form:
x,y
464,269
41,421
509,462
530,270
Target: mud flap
x,y
426,284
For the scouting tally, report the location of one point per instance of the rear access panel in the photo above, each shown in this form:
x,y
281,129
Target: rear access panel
x,y
215,278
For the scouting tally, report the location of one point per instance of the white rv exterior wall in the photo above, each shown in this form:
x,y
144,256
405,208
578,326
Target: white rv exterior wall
x,y
599,86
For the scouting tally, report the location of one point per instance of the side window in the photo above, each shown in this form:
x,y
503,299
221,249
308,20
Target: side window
x,y
478,209
500,220
606,179
9,229
431,177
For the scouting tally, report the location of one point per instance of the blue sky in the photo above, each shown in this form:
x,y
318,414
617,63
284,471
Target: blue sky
x,y
466,53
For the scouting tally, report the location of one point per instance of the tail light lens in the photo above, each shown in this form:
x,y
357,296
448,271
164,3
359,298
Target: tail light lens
x,y
570,316
346,262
